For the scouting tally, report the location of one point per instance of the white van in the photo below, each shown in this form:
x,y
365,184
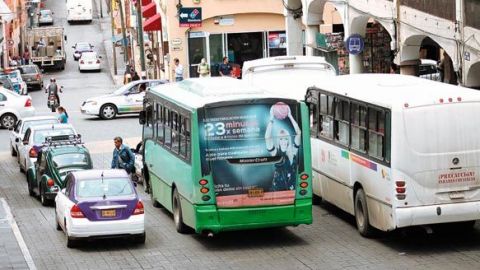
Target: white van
x,y
79,11
396,151
290,75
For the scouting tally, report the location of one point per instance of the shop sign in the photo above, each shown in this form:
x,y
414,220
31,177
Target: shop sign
x,y
190,17
177,48
355,44
226,21
176,41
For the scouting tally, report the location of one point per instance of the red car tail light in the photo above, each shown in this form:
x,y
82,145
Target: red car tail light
x,y
50,182
32,153
28,103
82,62
76,212
38,77
139,208
98,61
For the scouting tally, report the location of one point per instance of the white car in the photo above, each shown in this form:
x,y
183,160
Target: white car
x,y
428,69
138,175
45,17
22,125
35,137
81,47
127,99
89,61
13,107
98,204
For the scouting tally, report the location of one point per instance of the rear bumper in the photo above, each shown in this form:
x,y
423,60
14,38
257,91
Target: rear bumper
x,y
84,228
89,67
27,112
423,215
211,218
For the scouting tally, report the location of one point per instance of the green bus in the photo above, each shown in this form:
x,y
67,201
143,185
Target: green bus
x,y
223,156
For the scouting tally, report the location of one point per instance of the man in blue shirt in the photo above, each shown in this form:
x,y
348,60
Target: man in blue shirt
x,y
225,69
123,157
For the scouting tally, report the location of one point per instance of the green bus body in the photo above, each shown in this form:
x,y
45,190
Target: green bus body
x,y
166,171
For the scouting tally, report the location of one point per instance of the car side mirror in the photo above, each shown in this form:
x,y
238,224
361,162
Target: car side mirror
x,y
142,117
17,140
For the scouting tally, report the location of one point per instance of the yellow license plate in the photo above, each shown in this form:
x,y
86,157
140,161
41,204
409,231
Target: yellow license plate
x,y
255,192
109,213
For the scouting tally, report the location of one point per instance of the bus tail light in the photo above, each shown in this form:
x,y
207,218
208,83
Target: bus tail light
x,y
76,212
401,196
32,153
400,189
204,190
203,182
303,184
304,176
459,99
50,182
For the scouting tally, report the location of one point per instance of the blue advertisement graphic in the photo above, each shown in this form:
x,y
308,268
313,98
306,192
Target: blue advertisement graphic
x,y
252,152
355,44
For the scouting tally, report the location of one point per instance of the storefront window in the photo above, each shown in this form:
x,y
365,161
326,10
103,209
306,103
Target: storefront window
x,y
216,53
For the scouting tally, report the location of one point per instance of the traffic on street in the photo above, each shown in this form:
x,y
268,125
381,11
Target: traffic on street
x,y
114,155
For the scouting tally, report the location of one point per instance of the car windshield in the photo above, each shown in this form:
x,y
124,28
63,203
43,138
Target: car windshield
x,y
28,124
82,47
124,88
70,160
45,12
109,187
40,135
28,70
64,171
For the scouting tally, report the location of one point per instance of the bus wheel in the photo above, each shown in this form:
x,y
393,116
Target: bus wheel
x,y
361,214
316,200
177,213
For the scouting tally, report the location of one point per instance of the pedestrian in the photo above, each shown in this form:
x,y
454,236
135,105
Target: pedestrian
x,y
178,70
225,69
127,77
123,157
203,68
135,76
63,115
26,57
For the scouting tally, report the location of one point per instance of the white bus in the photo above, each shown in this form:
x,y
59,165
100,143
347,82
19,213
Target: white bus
x,y
290,75
79,11
396,151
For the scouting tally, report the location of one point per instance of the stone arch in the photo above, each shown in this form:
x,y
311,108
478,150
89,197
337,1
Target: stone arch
x,y
411,47
473,76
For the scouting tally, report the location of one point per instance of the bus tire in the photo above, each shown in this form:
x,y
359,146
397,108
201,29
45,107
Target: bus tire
x,y
316,200
177,214
361,214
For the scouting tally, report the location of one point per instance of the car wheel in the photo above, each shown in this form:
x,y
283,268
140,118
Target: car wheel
x,y
140,238
177,214
12,151
43,199
8,120
30,188
71,243
361,214
57,225
23,169
108,111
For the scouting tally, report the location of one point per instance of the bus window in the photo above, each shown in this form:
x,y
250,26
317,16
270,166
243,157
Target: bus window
x,y
326,116
175,132
168,129
342,122
376,133
359,127
148,127
159,123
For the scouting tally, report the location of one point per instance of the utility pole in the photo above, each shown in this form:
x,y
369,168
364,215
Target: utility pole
x,y
101,9
124,35
113,39
140,37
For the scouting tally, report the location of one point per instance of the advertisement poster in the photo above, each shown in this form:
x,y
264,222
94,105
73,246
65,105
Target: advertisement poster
x,y
253,152
277,40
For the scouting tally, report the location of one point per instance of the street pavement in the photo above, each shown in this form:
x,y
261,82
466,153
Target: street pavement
x,y
331,242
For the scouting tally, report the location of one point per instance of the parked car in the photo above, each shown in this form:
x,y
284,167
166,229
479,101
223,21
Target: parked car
x,y
59,156
6,83
45,16
32,76
34,139
99,203
89,61
19,86
428,69
80,48
127,99
13,107
22,125
137,176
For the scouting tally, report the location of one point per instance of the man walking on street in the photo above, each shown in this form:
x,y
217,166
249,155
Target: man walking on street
x,y
123,157
178,70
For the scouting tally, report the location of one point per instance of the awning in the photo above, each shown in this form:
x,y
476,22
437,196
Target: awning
x,y
146,2
5,12
149,10
153,23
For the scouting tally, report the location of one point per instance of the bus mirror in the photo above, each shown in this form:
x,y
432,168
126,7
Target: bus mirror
x,y
141,118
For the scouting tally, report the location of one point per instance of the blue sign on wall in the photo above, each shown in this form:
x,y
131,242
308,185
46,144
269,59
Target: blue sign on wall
x,y
190,17
355,44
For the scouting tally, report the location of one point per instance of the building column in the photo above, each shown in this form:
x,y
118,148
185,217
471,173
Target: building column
x,y
294,35
311,39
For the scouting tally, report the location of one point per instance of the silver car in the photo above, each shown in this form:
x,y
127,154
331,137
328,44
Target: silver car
x,y
45,17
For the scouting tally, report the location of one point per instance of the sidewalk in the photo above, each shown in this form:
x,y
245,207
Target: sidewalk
x,y
13,251
106,32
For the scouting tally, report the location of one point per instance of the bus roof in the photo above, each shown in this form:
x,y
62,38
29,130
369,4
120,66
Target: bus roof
x,y
197,92
393,90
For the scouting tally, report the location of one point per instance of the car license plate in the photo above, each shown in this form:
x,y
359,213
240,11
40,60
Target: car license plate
x,y
255,192
90,62
109,213
456,195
